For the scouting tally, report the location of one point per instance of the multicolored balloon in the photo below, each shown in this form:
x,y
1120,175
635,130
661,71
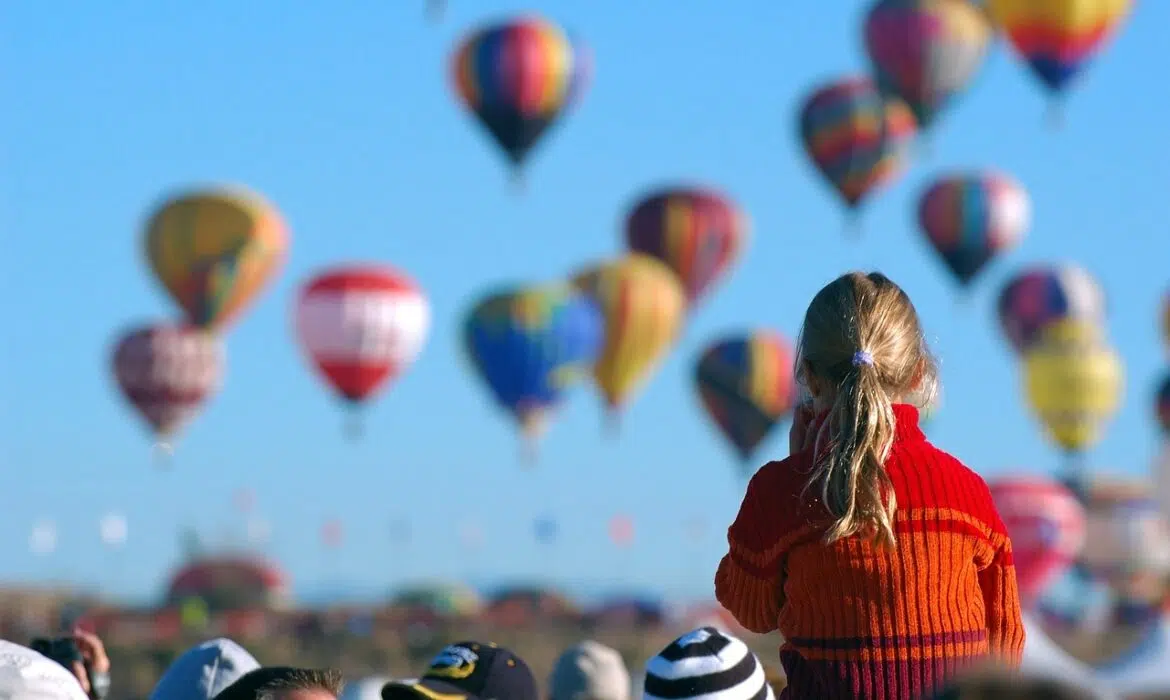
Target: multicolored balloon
x,y
361,326
699,233
1073,381
1162,405
518,78
530,346
971,218
214,250
926,51
1039,296
1166,320
167,373
643,304
856,137
1046,524
1057,38
746,384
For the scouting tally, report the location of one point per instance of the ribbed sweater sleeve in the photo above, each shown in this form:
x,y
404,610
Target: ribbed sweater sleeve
x,y
1001,600
748,582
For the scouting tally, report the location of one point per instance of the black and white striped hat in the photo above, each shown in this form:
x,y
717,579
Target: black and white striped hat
x,y
709,664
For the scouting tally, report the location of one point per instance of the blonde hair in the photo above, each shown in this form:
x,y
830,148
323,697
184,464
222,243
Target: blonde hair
x,y
862,336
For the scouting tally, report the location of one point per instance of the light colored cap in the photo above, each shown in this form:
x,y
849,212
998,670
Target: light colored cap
x,y
27,675
368,688
589,671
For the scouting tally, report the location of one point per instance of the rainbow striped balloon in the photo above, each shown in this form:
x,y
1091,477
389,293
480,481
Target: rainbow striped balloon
x,y
856,137
971,218
746,384
697,232
518,78
1162,405
926,51
1058,38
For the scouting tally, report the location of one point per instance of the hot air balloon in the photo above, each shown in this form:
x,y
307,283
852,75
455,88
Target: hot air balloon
x,y
518,78
1127,538
214,250
436,8
1046,524
167,373
530,345
856,137
1166,320
971,218
361,326
1040,296
1162,405
697,232
1057,38
643,304
926,51
746,384
1073,381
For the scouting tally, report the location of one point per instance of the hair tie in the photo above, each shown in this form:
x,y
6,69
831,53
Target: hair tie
x,y
862,357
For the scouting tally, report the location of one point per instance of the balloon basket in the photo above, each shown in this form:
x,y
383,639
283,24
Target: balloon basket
x,y
529,454
1055,115
354,428
613,424
162,455
852,226
518,181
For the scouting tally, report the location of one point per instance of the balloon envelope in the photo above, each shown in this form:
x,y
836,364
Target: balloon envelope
x,y
856,137
747,386
361,326
530,345
1046,524
214,250
643,304
971,218
167,372
1040,296
1057,38
518,77
926,51
699,233
1073,382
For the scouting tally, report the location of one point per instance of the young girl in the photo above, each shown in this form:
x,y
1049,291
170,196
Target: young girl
x,y
880,558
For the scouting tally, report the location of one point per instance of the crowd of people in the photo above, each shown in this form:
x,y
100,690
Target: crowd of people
x,y
703,664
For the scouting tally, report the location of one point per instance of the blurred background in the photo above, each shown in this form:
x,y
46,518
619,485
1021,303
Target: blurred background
x,y
342,329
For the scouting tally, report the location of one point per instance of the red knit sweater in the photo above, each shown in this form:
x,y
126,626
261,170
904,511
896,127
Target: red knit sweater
x,y
862,621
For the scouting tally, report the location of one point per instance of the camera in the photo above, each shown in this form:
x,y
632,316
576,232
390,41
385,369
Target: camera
x,y
64,651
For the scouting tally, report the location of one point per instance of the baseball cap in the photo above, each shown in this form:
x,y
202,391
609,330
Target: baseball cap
x,y
469,671
27,675
589,671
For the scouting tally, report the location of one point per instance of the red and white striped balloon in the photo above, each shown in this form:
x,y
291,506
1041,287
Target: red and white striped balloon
x,y
167,372
361,326
1046,524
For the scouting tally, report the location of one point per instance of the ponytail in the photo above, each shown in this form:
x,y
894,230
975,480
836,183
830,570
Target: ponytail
x,y
854,484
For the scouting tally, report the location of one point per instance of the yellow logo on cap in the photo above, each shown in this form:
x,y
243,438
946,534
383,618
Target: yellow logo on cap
x,y
454,662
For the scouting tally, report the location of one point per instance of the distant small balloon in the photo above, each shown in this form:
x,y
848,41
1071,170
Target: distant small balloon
x,y
113,529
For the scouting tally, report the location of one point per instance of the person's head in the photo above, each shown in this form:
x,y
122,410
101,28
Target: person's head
x,y
469,671
861,350
204,671
589,671
709,664
1000,684
284,683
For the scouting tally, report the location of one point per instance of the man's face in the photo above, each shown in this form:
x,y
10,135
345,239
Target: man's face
x,y
306,695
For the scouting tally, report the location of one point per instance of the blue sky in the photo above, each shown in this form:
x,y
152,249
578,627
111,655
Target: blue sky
x,y
342,114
